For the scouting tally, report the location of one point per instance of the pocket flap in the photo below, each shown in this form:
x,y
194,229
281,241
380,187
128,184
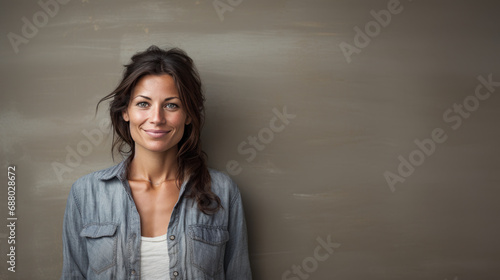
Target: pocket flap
x,y
99,230
208,234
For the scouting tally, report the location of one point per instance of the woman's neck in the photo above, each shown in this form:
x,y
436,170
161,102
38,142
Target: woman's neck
x,y
154,167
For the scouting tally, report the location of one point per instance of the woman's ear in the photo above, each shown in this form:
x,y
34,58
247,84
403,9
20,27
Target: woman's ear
x,y
125,115
188,120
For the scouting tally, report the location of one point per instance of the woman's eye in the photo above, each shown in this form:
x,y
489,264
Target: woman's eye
x,y
142,104
171,106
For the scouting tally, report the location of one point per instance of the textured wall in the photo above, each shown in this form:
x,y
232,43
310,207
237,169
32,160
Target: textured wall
x,y
362,134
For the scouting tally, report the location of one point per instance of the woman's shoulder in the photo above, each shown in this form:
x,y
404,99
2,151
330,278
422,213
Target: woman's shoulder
x,y
222,183
94,177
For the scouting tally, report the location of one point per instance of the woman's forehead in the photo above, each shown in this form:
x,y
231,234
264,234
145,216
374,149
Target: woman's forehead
x,y
156,86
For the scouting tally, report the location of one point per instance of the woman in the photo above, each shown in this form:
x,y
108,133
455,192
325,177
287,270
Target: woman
x,y
160,213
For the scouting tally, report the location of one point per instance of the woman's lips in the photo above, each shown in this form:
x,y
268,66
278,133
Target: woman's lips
x,y
156,133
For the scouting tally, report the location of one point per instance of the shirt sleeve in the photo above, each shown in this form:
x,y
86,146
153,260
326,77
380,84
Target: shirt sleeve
x,y
236,259
75,260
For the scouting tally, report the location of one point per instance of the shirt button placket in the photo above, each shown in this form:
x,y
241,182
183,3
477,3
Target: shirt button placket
x,y
133,272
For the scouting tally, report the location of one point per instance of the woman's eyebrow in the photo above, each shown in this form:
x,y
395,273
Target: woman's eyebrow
x,y
148,98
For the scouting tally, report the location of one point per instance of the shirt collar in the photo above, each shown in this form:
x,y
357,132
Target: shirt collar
x,y
114,171
119,172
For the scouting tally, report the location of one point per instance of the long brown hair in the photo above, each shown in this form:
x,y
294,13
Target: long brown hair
x,y
191,159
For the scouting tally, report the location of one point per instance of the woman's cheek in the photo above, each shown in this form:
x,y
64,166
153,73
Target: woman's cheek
x,y
176,119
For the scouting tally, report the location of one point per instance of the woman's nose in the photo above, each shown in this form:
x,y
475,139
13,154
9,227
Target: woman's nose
x,y
157,115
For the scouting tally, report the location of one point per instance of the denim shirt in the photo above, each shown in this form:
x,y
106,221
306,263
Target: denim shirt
x,y
102,232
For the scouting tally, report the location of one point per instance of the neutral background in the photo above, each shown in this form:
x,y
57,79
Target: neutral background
x,y
322,176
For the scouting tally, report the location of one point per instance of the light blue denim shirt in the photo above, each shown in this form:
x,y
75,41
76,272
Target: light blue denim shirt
x,y
102,232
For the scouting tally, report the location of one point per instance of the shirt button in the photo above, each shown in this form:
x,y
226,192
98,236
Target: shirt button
x,y
172,237
176,273
132,272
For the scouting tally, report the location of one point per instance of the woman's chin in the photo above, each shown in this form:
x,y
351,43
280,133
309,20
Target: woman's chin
x,y
160,149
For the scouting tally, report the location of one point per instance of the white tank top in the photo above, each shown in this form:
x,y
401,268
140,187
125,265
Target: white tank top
x,y
154,258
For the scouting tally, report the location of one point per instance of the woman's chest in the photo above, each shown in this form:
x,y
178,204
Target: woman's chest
x,y
155,208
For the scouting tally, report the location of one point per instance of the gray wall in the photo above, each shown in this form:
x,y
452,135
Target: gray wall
x,y
346,169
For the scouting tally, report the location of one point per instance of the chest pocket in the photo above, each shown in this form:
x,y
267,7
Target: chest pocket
x,y
206,248
101,246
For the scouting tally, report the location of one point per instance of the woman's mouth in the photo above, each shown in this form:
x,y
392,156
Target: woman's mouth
x,y
155,133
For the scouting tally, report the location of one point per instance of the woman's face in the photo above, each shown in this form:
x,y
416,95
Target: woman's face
x,y
155,114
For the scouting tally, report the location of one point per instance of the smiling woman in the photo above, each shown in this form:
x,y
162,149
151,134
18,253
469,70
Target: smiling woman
x,y
156,117
161,213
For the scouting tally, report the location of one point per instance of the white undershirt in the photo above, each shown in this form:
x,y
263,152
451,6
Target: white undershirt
x,y
154,258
